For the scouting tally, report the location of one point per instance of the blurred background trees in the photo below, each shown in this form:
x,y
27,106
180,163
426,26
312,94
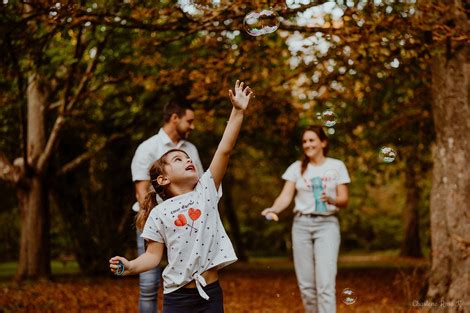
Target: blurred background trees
x,y
83,84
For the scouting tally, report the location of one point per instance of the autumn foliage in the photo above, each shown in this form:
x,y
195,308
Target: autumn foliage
x,y
247,288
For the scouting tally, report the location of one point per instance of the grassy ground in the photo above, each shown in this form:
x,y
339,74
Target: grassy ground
x,y
379,283
8,269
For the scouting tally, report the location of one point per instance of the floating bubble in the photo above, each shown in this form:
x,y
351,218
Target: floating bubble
x,y
331,131
348,296
387,154
329,118
261,23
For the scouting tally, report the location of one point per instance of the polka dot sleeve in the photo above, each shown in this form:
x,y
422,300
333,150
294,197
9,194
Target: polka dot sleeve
x,y
206,186
152,229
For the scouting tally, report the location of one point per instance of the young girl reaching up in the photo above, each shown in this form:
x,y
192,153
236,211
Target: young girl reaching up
x,y
187,222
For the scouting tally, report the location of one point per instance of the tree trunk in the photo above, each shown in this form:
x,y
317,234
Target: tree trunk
x,y
411,244
32,194
449,282
232,217
34,259
21,271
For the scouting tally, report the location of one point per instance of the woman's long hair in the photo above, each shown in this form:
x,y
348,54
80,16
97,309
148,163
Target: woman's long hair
x,y
157,169
317,129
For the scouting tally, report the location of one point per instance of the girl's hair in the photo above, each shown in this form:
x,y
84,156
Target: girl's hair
x,y
157,169
317,129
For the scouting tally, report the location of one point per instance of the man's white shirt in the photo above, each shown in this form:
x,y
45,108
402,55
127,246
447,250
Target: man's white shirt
x,y
152,149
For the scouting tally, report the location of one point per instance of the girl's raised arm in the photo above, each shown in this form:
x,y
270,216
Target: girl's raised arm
x,y
240,98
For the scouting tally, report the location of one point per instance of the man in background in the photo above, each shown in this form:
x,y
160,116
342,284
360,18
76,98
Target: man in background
x,y
178,123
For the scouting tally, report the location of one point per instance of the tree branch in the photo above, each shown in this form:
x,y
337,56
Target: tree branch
x,y
67,168
77,56
54,136
86,77
303,8
307,29
51,143
8,172
178,24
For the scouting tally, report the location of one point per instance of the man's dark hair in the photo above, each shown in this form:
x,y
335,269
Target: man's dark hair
x,y
175,107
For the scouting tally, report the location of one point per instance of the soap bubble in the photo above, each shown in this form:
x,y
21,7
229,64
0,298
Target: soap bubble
x,y
329,118
261,23
348,296
387,154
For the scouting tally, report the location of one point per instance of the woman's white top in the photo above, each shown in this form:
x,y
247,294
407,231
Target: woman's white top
x,y
315,181
190,227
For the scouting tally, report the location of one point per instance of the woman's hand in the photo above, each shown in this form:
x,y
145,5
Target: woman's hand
x,y
327,199
114,265
240,97
270,214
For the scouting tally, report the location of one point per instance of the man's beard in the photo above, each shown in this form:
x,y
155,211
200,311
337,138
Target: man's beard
x,y
183,135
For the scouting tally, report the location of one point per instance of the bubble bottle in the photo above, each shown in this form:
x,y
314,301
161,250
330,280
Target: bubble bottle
x,y
317,188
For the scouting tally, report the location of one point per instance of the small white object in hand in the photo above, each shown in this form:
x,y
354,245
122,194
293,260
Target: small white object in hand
x,y
272,216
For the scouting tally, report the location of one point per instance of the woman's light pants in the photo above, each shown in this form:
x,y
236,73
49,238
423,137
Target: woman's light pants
x,y
316,245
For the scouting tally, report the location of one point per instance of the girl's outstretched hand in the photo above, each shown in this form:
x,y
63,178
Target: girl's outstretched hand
x,y
114,265
241,96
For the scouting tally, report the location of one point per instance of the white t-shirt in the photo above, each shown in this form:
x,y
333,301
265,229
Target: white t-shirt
x,y
190,227
152,149
313,182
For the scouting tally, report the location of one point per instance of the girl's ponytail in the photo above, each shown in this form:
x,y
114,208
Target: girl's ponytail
x,y
150,202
